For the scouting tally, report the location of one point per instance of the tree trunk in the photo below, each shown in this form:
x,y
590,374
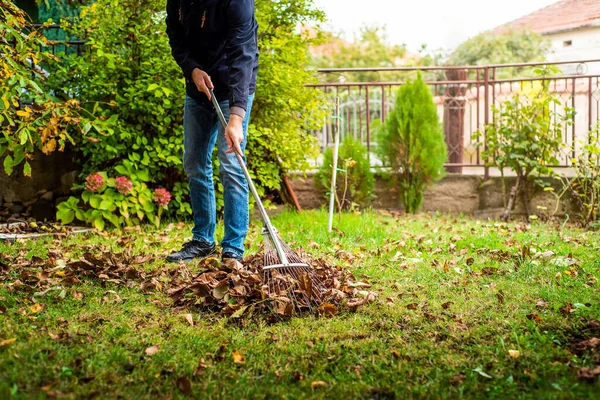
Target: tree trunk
x,y
525,195
511,201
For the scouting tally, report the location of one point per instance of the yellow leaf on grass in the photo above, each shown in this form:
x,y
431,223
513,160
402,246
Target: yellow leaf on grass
x,y
7,342
317,384
238,358
36,308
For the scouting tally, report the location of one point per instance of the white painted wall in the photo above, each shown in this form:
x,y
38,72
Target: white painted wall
x,y
585,46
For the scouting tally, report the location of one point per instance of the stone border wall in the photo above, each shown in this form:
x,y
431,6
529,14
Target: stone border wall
x,y
36,196
466,194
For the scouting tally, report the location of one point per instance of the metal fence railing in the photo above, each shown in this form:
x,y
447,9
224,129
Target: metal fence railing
x,y
464,96
59,40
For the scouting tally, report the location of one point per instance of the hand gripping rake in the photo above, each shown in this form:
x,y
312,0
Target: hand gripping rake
x,y
285,275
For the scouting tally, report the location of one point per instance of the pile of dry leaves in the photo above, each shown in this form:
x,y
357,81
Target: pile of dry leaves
x,y
235,289
41,275
231,289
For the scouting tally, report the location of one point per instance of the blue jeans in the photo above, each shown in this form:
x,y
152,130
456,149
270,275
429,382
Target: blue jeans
x,y
201,130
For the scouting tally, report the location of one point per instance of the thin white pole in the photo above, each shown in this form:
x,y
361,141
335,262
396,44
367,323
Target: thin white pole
x,y
336,145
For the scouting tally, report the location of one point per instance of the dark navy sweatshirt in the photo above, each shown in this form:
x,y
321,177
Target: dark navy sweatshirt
x,y
220,38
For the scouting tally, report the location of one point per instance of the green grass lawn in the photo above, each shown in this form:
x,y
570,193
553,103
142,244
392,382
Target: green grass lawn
x,y
465,309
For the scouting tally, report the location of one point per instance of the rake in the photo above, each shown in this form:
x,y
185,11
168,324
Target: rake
x,y
286,276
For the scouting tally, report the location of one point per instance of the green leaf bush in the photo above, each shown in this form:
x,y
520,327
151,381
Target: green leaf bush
x,y
124,200
33,115
583,186
137,89
526,137
411,143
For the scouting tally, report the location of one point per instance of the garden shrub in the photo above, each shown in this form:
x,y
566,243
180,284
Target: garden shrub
x,y
32,117
526,136
125,200
128,72
354,181
584,185
411,143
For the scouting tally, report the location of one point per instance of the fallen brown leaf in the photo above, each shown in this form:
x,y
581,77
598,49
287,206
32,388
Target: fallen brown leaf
x,y
588,344
238,358
534,317
457,379
189,319
566,309
489,271
500,296
317,384
541,304
7,342
184,385
593,324
327,309
201,367
589,373
152,350
47,387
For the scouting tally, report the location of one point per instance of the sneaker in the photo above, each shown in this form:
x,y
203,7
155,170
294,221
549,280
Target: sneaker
x,y
191,250
229,255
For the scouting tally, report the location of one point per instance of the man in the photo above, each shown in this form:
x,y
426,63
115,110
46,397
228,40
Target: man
x,y
215,44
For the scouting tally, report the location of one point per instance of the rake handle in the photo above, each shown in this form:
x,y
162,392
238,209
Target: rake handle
x,y
266,221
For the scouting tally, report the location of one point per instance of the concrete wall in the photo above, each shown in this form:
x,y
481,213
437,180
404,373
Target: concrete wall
x,y
469,195
584,46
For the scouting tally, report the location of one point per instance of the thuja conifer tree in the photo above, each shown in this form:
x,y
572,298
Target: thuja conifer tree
x,y
411,142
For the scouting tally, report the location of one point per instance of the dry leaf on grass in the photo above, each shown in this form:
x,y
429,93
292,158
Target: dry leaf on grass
x,y
327,309
238,358
200,368
589,373
541,304
189,319
184,385
566,309
152,350
534,317
7,342
36,308
586,345
317,384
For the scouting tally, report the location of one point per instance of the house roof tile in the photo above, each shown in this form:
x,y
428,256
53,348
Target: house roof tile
x,y
564,15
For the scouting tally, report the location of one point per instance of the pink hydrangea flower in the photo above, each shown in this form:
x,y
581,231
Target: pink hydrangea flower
x,y
162,197
94,182
123,184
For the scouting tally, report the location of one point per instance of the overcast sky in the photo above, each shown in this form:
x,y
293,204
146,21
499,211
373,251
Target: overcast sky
x,y
438,23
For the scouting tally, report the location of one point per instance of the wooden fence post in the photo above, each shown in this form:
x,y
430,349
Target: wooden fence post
x,y
454,118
